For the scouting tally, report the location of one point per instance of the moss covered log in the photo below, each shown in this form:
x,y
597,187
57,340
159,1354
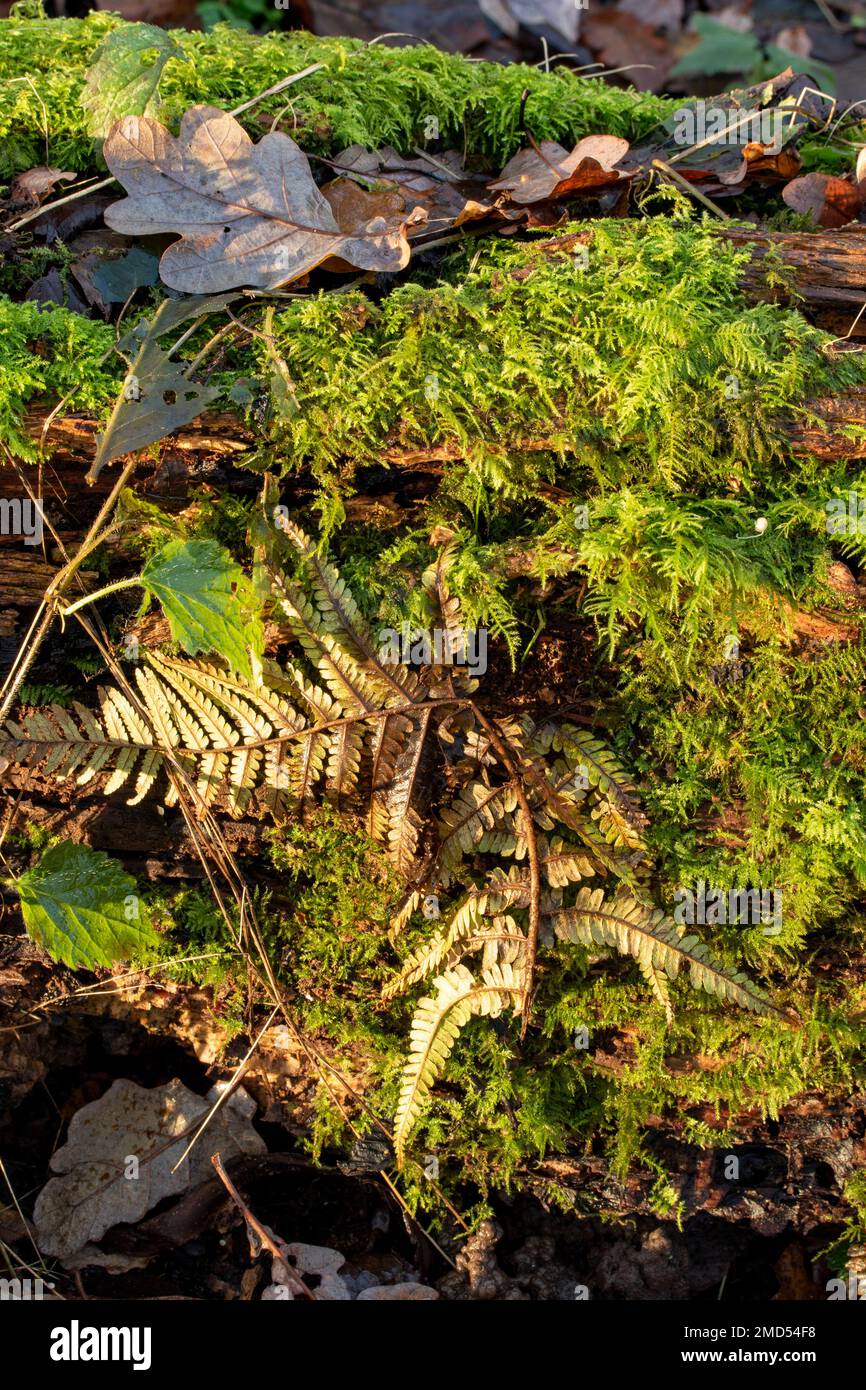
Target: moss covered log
x,y
366,93
652,358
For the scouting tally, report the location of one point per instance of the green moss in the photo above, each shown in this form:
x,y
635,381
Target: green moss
x,y
367,93
51,353
647,364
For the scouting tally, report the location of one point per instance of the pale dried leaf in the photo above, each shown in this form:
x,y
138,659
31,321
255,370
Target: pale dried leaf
x,y
246,214
92,1190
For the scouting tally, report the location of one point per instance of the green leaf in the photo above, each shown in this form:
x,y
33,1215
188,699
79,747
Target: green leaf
x,y
82,908
777,59
720,50
124,76
210,604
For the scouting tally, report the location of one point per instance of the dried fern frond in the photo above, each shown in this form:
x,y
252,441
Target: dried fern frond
x,y
463,923
654,940
436,1026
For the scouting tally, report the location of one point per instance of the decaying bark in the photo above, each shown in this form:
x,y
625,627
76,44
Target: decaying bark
x,y
828,271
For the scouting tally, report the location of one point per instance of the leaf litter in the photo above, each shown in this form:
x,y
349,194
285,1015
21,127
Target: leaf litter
x,y
125,1153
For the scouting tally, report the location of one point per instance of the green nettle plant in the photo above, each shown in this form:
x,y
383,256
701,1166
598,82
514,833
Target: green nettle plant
x,y
531,829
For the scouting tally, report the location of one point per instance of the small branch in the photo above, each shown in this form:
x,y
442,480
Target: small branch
x,y
41,624
277,87
689,188
58,203
258,1230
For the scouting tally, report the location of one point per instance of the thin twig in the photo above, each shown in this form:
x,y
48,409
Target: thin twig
x,y
261,1234
229,1089
277,87
689,188
46,613
58,203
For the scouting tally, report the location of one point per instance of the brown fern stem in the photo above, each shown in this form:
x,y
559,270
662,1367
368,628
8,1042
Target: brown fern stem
x,y
502,752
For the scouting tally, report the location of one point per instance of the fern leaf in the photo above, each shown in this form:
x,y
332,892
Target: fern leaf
x,y
435,1029
649,936
477,808
462,923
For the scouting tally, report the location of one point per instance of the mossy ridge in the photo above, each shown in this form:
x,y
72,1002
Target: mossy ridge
x,y
368,93
648,364
632,354
55,353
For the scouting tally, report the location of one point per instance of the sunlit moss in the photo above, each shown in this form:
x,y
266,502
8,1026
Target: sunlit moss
x,y
367,93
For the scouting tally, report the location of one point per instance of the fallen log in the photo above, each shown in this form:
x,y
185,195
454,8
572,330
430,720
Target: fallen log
x,y
825,275
828,273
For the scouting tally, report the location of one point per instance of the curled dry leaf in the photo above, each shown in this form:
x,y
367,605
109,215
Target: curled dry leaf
x,y
34,184
246,214
446,191
549,171
831,202
622,40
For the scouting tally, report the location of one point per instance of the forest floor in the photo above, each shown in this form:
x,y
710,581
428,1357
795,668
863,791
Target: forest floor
x,y
535,970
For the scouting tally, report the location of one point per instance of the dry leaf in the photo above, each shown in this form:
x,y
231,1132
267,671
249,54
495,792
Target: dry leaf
x,y
794,39
658,14
33,185
247,214
442,187
831,202
563,15
550,171
119,1155
157,397
619,40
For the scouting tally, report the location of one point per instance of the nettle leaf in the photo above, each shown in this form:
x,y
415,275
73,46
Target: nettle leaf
x,y
124,77
82,907
246,214
210,603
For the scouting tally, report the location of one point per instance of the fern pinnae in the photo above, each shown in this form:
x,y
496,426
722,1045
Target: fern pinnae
x,y
647,934
436,1027
462,923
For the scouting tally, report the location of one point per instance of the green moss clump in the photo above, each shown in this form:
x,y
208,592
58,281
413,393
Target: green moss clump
x,y
54,353
367,93
648,364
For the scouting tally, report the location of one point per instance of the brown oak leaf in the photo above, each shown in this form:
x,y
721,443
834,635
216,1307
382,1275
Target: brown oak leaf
x,y
247,214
